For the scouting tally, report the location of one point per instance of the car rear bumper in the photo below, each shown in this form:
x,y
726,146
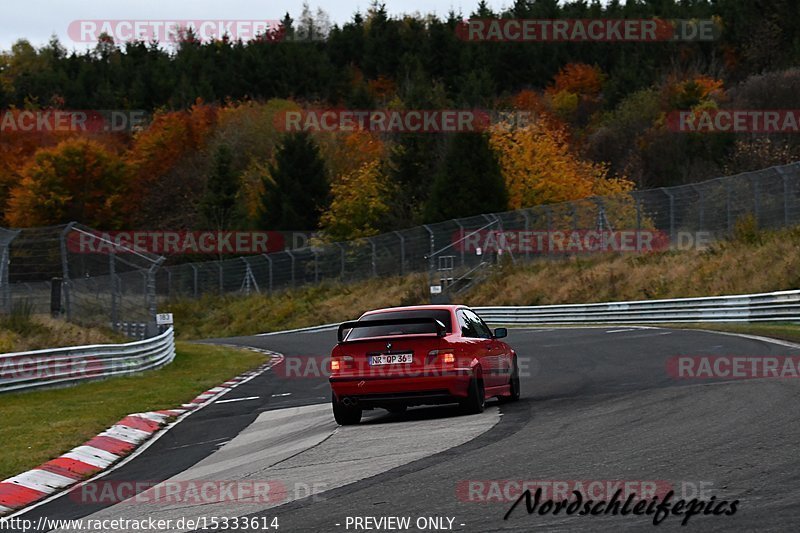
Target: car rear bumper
x,y
426,388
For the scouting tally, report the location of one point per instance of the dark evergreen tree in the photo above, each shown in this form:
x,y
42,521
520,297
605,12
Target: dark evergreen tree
x,y
469,181
296,189
218,206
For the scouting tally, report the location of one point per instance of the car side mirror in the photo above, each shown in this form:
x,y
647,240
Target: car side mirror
x,y
500,333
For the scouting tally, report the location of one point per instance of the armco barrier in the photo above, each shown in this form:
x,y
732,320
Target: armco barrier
x,y
781,306
41,368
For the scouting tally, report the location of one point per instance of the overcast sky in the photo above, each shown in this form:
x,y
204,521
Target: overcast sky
x,y
37,20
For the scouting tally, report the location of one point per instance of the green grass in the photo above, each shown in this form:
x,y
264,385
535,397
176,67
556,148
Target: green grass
x,y
776,330
37,426
231,315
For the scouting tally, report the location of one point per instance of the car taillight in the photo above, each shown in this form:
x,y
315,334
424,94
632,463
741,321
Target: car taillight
x,y
446,356
341,362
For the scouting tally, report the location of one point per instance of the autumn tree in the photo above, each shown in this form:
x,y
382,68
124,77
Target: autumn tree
x,y
361,192
77,180
539,167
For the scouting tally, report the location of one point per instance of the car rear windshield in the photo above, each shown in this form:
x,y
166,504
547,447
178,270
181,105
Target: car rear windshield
x,y
442,315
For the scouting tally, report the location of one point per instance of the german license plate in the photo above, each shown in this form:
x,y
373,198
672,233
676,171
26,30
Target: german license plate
x,y
390,359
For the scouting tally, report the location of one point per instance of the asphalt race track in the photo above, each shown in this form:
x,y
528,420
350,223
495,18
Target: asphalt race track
x,y
598,405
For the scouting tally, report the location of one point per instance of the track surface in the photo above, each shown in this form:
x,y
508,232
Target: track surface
x,y
598,404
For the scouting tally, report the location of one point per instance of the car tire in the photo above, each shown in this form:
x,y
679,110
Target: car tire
x,y
513,382
345,415
397,409
475,401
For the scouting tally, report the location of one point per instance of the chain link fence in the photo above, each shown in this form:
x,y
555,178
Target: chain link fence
x,y
123,288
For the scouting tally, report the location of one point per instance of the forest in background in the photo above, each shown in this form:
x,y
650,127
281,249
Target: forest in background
x,y
211,157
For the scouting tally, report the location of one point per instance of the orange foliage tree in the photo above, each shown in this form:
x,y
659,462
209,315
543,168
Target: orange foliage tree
x,y
539,167
77,180
167,160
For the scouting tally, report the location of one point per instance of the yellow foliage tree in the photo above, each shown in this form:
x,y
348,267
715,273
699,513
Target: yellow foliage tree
x,y
360,191
359,203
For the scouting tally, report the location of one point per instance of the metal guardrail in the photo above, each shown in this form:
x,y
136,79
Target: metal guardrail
x,y
61,366
772,306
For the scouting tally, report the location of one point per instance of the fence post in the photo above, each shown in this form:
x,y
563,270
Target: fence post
x,y
756,200
638,204
5,262
548,213
461,237
374,257
194,279
112,275
221,278
291,256
671,215
65,270
524,213
701,202
269,282
402,252
728,206
341,247
433,245
150,295
785,179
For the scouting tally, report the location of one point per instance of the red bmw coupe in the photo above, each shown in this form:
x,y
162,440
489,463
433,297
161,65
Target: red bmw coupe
x,y
423,355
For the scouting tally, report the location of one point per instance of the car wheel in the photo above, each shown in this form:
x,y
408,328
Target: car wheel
x,y
476,397
345,415
513,383
397,409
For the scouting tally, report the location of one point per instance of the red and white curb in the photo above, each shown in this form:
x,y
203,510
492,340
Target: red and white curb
x,y
108,447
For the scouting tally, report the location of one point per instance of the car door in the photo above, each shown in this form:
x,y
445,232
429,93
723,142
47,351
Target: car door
x,y
501,358
483,346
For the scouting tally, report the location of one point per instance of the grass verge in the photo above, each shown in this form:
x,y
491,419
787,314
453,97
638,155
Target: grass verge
x,y
37,426
776,330
225,316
